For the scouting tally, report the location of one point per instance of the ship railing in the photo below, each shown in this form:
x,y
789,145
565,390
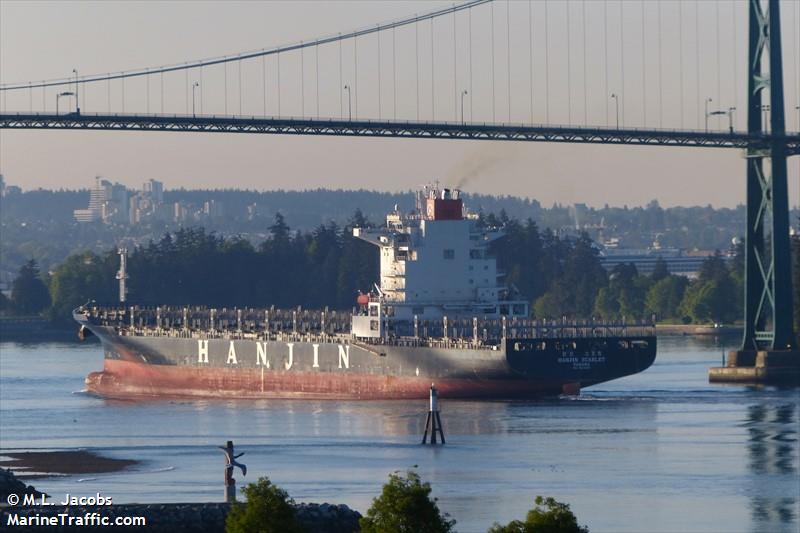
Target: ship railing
x,y
298,323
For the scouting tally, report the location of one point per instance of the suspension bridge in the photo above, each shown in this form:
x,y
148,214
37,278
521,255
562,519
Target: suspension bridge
x,y
667,73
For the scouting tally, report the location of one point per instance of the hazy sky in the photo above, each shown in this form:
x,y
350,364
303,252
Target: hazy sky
x,y
43,40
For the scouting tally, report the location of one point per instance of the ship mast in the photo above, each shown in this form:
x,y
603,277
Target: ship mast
x,y
122,274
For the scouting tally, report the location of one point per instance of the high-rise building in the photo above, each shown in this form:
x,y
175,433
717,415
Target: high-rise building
x,y
107,202
155,189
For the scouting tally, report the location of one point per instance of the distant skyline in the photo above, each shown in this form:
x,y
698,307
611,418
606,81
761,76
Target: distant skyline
x,y
42,40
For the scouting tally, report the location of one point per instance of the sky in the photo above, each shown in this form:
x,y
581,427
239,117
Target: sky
x,y
662,66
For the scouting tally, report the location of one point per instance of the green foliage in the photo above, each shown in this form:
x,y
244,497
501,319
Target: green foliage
x,y
716,295
573,271
29,293
715,300
660,271
405,506
269,509
82,277
624,296
327,266
665,296
549,516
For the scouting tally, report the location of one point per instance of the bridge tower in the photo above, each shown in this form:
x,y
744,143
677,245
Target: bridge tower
x,y
769,351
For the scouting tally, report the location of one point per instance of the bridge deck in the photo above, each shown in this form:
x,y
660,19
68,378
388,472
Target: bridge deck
x,y
391,128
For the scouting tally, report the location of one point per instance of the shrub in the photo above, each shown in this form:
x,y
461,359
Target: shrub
x,y
405,506
549,516
269,509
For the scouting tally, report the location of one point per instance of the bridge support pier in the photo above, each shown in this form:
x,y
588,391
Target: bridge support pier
x,y
769,352
774,367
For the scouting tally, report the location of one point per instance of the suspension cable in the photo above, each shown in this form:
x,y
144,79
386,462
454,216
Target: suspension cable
x,y
252,54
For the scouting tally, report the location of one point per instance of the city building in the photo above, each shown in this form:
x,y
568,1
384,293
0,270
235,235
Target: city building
x,y
107,202
678,262
155,190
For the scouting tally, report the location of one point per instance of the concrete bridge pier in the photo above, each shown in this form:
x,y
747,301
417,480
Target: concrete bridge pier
x,y
768,367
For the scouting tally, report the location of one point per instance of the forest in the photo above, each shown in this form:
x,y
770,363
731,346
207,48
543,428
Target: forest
x,y
39,224
326,267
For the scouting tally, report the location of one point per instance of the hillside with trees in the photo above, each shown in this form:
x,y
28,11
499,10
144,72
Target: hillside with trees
x,y
39,224
327,266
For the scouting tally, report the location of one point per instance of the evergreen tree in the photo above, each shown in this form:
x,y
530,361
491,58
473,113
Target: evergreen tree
x,y
664,297
713,268
660,270
29,294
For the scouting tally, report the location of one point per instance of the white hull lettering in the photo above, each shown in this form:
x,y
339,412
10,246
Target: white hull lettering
x,y
344,356
288,364
232,355
202,351
261,354
316,355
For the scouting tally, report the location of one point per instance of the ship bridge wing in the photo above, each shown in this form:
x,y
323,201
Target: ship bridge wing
x,y
372,236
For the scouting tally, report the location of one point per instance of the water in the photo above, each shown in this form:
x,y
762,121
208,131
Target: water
x,y
660,451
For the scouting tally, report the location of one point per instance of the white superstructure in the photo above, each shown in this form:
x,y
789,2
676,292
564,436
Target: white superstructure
x,y
434,263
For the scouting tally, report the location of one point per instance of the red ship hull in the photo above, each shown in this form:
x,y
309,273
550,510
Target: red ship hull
x,y
124,379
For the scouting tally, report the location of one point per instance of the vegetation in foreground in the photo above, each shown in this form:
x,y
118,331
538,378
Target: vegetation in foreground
x,y
269,509
548,516
405,505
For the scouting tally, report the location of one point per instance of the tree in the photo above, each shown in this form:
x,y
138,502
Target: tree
x,y
405,506
664,297
583,276
82,277
549,516
714,300
606,305
29,294
713,268
269,509
660,271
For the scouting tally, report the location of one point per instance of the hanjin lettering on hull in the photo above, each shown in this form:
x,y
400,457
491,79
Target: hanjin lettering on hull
x,y
236,350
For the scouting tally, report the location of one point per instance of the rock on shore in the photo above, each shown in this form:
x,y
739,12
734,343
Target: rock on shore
x,y
159,517
9,484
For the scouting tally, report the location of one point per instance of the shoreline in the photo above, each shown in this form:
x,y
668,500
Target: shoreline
x,y
32,465
695,330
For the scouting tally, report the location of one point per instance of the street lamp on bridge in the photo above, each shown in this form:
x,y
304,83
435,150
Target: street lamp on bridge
x,y
349,104
708,101
729,112
59,95
616,106
730,118
463,94
77,102
195,85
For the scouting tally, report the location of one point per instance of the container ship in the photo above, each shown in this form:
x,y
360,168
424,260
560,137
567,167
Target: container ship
x,y
440,313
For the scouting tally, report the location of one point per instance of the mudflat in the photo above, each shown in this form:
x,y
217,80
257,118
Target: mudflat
x,y
40,464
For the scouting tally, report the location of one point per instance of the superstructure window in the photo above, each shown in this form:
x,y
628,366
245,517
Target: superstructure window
x,y
449,253
476,253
